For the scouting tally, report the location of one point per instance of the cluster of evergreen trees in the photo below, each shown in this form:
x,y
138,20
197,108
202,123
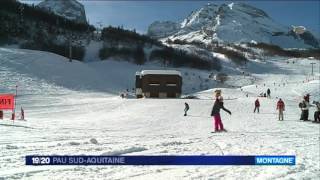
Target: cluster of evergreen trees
x,y
179,58
120,35
273,50
129,45
234,55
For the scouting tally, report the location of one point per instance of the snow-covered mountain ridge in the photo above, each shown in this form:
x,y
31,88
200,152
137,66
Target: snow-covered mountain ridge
x,y
233,23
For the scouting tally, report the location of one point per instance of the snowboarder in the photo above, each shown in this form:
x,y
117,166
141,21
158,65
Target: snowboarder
x,y
186,108
268,93
317,112
256,106
215,112
280,108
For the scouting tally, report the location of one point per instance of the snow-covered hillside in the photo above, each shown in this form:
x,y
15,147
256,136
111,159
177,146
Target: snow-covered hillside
x,y
70,9
232,23
70,105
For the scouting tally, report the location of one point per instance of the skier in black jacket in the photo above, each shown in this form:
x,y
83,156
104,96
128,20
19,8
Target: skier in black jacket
x,y
215,112
186,108
268,93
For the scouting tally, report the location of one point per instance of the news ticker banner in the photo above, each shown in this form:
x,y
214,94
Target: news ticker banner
x,y
160,160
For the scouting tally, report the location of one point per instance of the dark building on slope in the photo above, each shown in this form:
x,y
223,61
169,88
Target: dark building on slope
x,y
158,84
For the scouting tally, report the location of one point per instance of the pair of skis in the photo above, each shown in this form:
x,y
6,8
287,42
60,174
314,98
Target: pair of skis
x,y
220,131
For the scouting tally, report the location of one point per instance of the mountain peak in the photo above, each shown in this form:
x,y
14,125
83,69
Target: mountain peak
x,y
70,9
234,23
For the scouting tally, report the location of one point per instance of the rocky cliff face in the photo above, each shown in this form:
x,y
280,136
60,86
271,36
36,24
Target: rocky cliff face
x,y
70,9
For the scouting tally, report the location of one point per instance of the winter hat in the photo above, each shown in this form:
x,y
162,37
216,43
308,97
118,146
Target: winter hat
x,y
218,92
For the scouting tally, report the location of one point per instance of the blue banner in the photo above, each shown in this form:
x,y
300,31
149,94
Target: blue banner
x,y
275,160
160,160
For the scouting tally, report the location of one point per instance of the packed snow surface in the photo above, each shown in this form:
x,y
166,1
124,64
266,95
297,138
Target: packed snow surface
x,y
74,109
169,72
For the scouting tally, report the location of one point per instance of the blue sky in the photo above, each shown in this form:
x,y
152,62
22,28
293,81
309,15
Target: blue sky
x,y
139,14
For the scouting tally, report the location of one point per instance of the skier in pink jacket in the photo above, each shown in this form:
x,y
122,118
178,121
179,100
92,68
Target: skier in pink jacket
x,y
218,104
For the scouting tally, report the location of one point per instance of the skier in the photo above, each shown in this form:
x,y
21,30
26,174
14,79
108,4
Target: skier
x,y
317,112
268,93
186,108
218,104
1,114
304,110
307,99
256,106
13,115
22,114
280,108
301,105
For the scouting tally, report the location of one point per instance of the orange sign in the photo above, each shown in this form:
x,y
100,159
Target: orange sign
x,y
6,101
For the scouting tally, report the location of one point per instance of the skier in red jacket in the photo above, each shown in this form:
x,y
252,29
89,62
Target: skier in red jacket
x,y
256,106
280,108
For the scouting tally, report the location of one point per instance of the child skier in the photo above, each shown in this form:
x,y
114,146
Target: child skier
x,y
218,104
280,108
186,108
256,106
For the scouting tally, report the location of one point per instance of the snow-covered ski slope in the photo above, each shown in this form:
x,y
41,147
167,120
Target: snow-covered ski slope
x,y
69,104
